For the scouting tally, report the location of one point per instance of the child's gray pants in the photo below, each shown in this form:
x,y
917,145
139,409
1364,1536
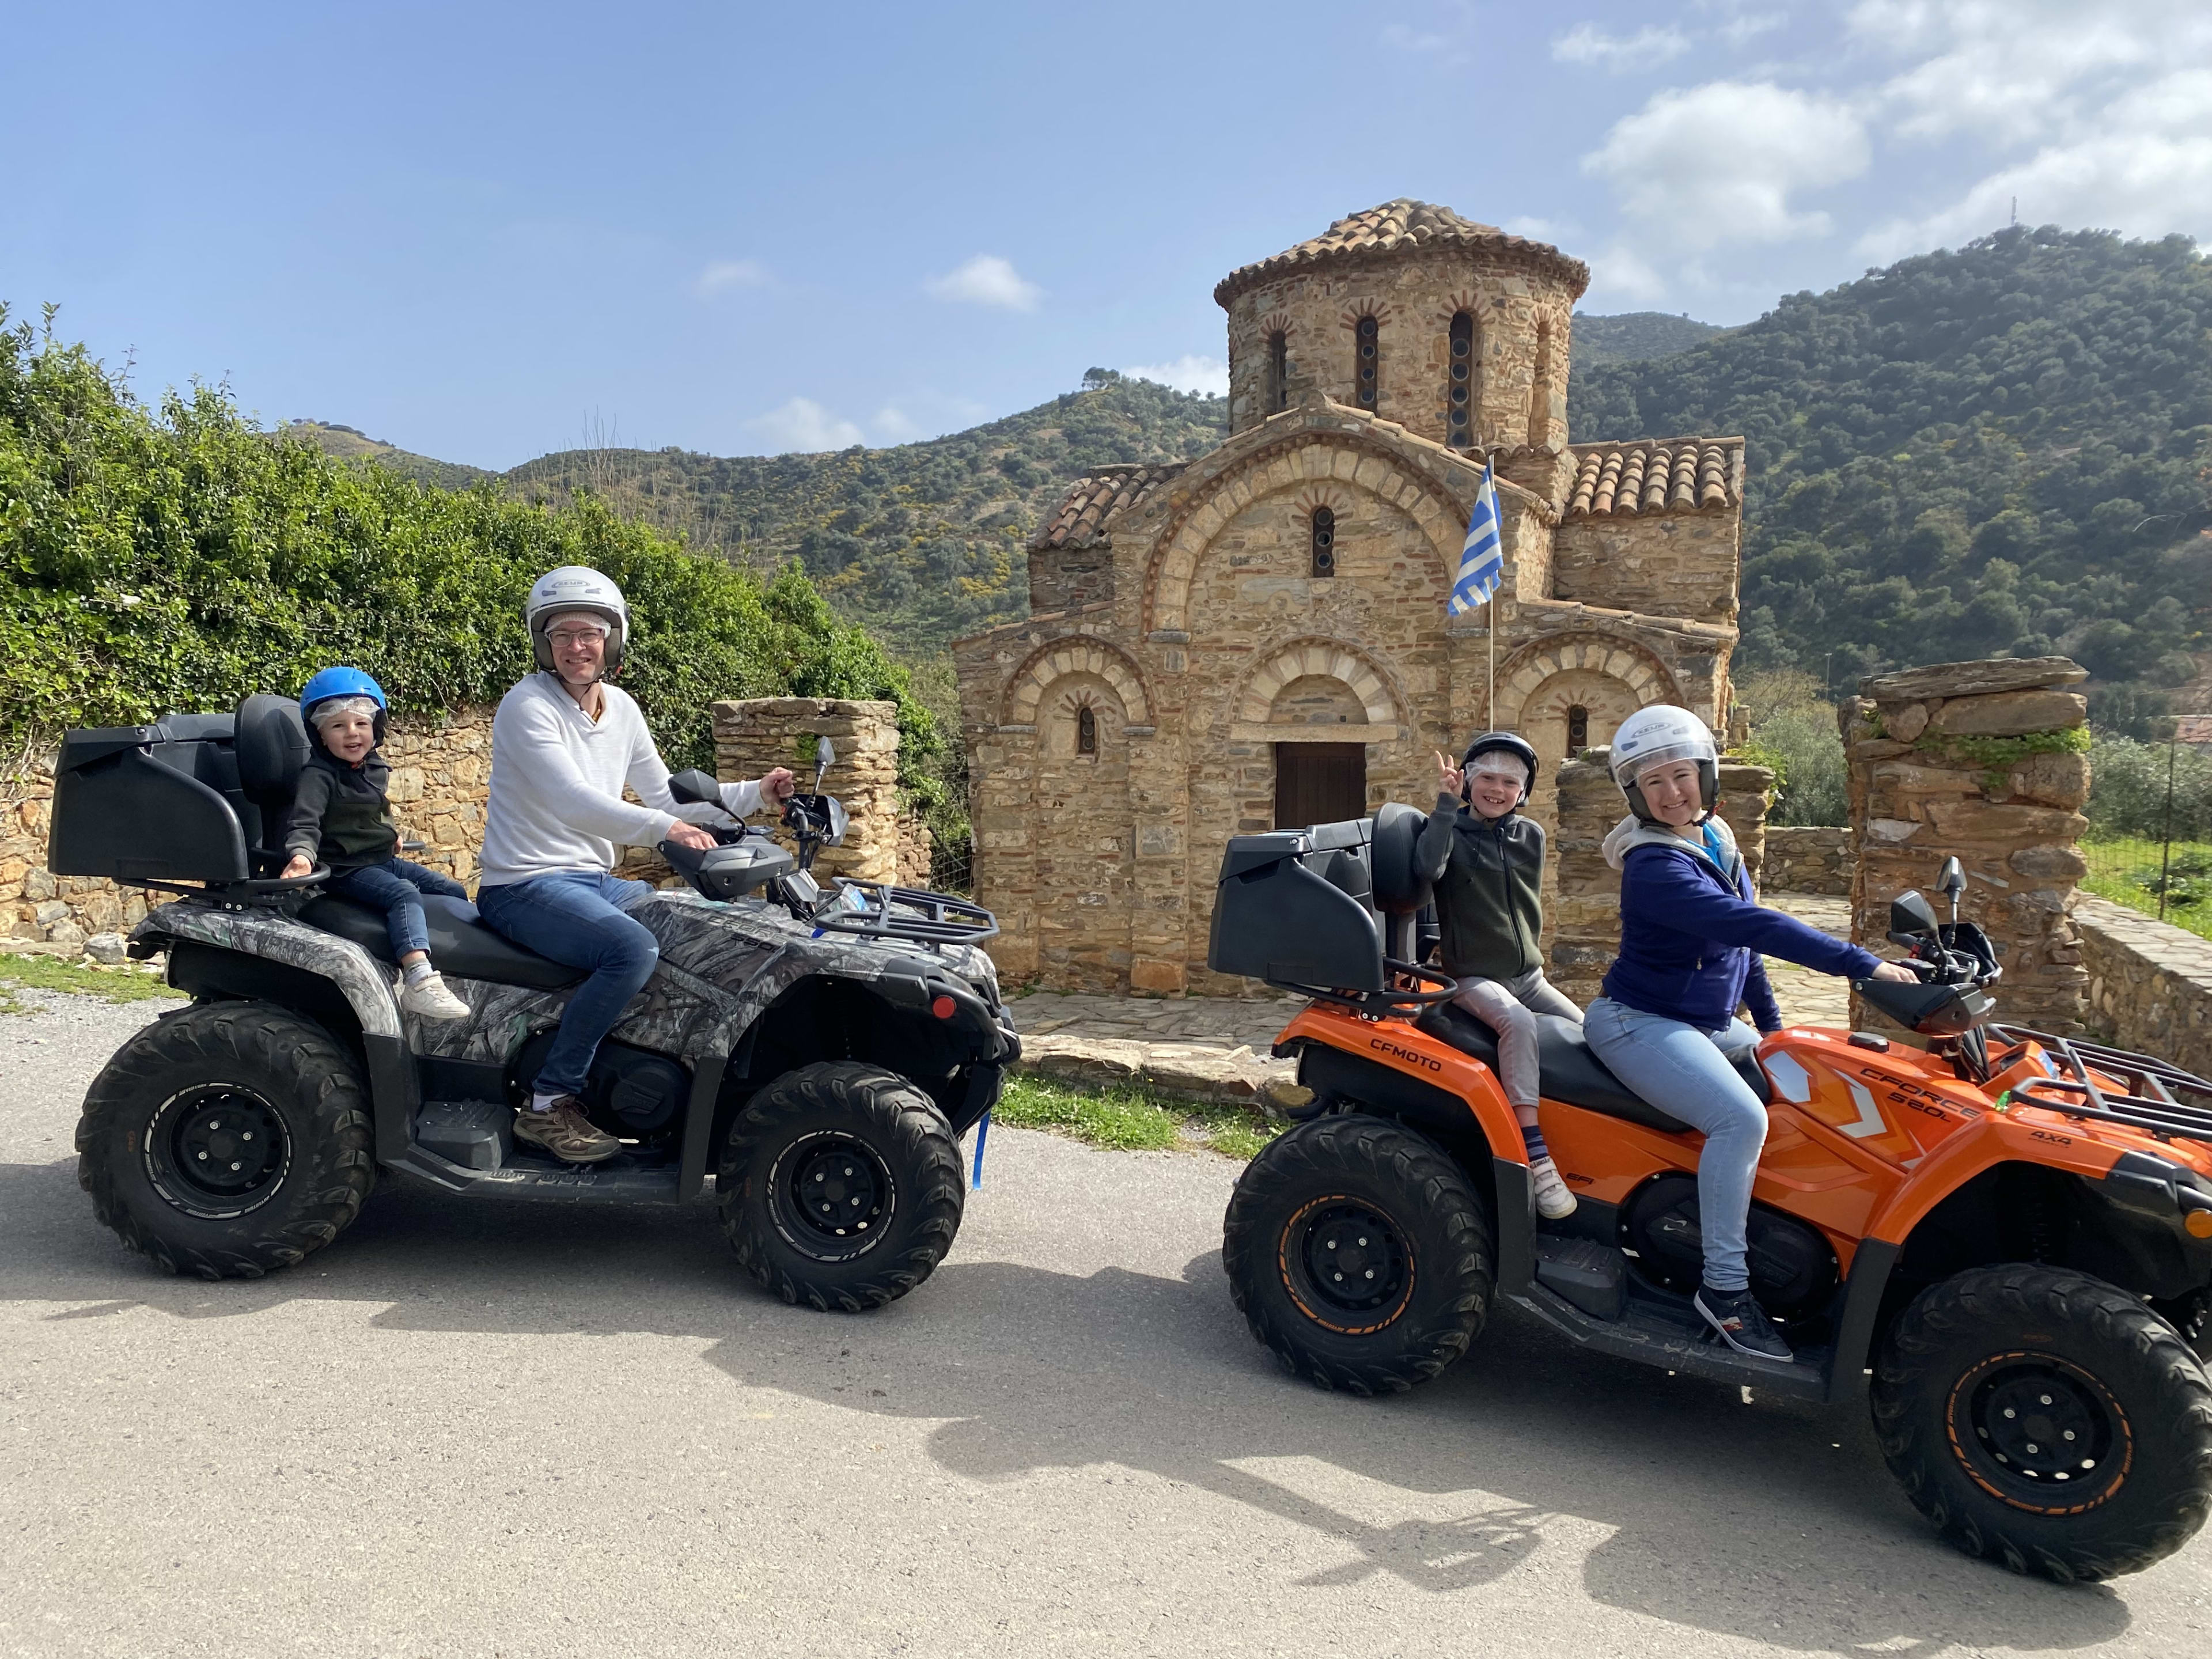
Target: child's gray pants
x,y
1510,1007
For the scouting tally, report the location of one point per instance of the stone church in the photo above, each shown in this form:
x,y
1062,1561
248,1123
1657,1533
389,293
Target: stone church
x,y
1259,637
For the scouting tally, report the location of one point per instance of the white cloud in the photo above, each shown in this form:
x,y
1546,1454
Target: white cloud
x,y
988,280
732,273
1647,48
1209,375
1723,163
1542,230
1747,26
894,425
804,426
1406,39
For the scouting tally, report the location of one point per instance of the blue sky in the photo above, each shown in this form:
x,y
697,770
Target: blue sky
x,y
486,231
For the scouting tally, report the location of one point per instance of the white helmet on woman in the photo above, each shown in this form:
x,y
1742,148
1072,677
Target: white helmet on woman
x,y
576,588
1651,737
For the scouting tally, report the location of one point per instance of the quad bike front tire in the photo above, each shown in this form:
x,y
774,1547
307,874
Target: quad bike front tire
x,y
839,1186
229,1140
2048,1420
1360,1254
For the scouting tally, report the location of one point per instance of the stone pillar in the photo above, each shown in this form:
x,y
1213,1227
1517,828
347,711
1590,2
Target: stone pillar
x,y
755,734
1987,761
1584,922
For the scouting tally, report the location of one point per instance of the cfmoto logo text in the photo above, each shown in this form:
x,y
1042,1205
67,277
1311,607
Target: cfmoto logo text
x,y
1408,1055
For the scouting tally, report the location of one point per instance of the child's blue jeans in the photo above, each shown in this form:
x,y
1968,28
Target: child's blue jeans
x,y
395,887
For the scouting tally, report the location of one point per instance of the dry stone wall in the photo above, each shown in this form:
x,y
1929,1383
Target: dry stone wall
x,y
756,734
1981,760
2150,984
1809,859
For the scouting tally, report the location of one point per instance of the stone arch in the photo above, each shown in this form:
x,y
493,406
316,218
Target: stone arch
x,y
1062,706
1321,658
1302,461
1081,655
1520,675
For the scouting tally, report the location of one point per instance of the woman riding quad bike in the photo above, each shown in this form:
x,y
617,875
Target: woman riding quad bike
x,y
2009,1233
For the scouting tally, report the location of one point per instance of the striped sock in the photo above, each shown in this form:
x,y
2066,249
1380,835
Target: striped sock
x,y
1533,1138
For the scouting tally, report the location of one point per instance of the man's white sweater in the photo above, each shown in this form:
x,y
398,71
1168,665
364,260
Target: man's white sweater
x,y
557,785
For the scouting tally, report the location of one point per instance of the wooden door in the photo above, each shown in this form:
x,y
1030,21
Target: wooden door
x,y
1319,783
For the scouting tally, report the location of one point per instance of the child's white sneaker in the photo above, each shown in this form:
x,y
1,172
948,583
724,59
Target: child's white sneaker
x,y
1553,1201
429,998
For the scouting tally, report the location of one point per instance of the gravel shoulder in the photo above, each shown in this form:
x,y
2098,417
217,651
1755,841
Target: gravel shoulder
x,y
464,1430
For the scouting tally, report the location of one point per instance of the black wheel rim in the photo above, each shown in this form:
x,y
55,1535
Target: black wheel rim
x,y
216,1151
832,1195
2039,1433
1347,1265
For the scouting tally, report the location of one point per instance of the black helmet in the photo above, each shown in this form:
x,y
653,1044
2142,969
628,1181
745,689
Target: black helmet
x,y
1489,742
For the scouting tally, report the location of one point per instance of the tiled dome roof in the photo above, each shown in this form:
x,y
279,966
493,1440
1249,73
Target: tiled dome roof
x,y
1082,516
1655,475
1406,225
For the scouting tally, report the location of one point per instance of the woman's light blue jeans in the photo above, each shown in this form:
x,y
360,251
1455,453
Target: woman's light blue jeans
x,y
579,918
1686,1073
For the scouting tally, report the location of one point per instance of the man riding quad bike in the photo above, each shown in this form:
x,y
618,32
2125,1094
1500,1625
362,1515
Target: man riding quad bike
x,y
817,1053
2008,1232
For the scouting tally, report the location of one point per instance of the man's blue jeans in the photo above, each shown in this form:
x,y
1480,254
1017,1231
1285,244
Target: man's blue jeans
x,y
396,887
1686,1073
578,918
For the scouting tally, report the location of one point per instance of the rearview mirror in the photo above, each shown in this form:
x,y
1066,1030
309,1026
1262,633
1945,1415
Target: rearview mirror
x,y
1953,881
825,755
1910,914
695,787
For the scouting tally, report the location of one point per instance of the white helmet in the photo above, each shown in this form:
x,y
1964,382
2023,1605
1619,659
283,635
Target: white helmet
x,y
1650,736
576,588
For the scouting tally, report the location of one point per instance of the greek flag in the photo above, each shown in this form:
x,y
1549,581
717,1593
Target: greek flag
x,y
1482,560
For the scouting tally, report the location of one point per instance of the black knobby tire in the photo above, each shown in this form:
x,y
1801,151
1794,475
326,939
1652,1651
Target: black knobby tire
x,y
1359,1253
227,1140
2048,1420
878,1168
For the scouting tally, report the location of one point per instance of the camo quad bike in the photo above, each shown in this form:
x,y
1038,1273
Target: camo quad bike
x,y
817,1053
2010,1233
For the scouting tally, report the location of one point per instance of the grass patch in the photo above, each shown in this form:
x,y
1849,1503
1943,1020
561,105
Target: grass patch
x,y
1132,1119
2125,870
126,982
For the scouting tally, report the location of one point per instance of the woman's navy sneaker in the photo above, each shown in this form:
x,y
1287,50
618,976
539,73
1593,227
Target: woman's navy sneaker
x,y
1741,1323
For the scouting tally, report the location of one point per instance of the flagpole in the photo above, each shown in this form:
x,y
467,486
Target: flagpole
x,y
1490,695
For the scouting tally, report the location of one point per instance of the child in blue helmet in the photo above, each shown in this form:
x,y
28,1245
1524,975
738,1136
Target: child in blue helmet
x,y
341,817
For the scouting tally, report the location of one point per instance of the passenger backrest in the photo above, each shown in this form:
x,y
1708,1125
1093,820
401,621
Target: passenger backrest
x,y
271,745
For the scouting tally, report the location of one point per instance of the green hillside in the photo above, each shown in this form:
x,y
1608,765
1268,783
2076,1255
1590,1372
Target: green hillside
x,y
1633,336
351,444
2003,449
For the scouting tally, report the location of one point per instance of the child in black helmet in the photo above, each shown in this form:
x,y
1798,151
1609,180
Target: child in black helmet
x,y
1487,863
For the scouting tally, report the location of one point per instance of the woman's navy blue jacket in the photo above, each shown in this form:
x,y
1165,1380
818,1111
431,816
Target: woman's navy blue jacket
x,y
1691,942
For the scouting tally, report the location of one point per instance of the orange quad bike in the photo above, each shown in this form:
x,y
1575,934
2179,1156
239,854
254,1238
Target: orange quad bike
x,y
2005,1237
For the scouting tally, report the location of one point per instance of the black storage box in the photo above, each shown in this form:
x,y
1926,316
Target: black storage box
x,y
150,803
1294,907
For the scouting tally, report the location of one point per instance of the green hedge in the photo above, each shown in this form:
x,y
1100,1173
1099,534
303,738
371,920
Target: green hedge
x,y
175,560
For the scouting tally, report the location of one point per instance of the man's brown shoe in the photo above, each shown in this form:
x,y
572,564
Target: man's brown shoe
x,y
563,1131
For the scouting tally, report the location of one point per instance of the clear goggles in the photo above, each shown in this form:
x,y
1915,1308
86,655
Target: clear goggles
x,y
1498,763
339,708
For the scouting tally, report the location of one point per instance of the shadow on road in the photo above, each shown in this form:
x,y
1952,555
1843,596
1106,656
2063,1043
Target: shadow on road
x,y
1745,1522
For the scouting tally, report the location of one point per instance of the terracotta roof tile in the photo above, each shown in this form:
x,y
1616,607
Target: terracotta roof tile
x,y
1658,475
2194,730
1096,500
1407,224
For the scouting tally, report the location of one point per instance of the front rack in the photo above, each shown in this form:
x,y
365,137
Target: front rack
x,y
2159,1097
942,918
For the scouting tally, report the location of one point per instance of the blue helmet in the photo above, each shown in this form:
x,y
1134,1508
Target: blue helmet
x,y
342,682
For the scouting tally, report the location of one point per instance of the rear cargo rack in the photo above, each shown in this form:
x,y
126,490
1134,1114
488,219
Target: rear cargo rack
x,y
2159,1097
932,918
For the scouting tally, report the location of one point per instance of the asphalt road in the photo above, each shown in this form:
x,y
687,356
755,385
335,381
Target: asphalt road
x,y
532,1431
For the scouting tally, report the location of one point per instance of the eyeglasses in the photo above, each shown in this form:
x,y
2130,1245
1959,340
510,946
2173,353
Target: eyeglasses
x,y
576,635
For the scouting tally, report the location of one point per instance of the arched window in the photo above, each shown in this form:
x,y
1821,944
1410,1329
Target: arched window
x,y
1366,357
1278,372
1578,730
1540,395
1086,731
1459,388
1324,542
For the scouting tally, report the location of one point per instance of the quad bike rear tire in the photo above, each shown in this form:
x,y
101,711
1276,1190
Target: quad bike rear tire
x,y
228,1140
2048,1420
1360,1254
840,1186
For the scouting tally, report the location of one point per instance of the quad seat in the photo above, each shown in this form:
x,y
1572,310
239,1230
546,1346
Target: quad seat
x,y
461,944
1570,1071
